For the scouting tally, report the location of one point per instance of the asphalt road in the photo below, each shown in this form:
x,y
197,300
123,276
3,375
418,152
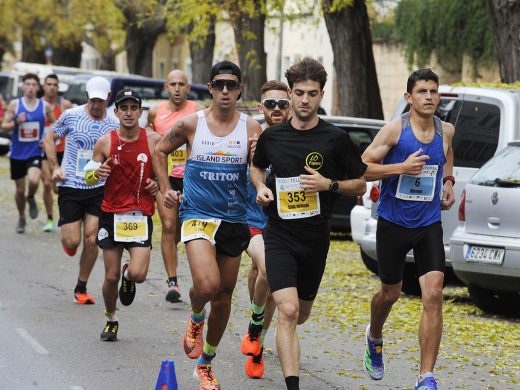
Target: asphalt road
x,y
49,342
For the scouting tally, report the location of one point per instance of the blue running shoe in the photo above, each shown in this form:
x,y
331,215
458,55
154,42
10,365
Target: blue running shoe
x,y
427,383
373,359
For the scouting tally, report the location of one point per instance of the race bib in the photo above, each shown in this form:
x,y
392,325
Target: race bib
x,y
82,159
421,187
293,202
200,228
29,131
178,157
130,227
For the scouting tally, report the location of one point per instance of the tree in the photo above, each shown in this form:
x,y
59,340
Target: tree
x,y
505,21
349,30
145,21
449,29
248,20
202,54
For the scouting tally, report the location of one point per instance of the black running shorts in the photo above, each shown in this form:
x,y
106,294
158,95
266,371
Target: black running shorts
x,y
393,242
19,168
105,237
232,239
176,183
74,203
295,256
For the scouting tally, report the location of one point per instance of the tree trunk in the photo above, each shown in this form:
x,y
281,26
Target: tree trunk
x,y
30,53
358,89
202,56
505,21
249,38
67,56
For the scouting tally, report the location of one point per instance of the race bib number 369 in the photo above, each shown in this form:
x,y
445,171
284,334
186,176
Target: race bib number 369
x,y
293,202
419,187
130,227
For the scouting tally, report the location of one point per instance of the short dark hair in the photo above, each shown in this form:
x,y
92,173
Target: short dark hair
x,y
29,76
273,85
421,74
51,76
306,69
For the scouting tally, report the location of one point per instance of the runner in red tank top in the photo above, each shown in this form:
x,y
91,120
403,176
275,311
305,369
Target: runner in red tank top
x,y
124,159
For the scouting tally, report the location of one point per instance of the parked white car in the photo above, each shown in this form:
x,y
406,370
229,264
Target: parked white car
x,y
485,247
485,120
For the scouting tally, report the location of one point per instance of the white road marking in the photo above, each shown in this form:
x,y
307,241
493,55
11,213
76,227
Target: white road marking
x,y
32,342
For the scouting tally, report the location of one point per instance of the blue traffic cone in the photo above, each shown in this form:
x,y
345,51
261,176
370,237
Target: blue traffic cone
x,y
167,379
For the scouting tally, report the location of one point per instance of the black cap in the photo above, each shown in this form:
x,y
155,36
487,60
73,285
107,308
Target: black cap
x,y
125,94
225,67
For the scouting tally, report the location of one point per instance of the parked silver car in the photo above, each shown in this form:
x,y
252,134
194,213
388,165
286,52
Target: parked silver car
x,y
485,247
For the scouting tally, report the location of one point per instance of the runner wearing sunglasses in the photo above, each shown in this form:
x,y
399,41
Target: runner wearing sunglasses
x,y
275,107
212,208
312,162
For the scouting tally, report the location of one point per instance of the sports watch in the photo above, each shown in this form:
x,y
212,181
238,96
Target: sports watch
x,y
334,186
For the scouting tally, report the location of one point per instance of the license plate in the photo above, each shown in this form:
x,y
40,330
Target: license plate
x,y
484,254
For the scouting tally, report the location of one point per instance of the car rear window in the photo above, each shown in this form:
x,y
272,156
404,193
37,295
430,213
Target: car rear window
x,y
501,170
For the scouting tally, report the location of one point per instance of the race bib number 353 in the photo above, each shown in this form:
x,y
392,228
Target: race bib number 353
x,y
293,202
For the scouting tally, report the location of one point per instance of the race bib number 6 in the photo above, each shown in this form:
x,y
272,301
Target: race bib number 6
x,y
200,228
130,227
293,202
421,187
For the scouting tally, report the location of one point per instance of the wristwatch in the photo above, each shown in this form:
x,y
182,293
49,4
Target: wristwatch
x,y
334,186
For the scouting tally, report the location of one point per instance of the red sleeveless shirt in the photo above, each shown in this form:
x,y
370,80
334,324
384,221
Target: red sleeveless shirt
x,y
131,166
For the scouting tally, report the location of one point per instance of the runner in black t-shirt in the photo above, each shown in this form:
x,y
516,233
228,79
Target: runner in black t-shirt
x,y
311,162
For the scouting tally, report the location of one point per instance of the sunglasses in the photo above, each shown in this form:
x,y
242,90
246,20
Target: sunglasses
x,y
270,104
219,85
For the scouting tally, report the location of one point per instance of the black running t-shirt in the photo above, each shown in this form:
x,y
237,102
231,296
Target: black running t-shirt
x,y
324,148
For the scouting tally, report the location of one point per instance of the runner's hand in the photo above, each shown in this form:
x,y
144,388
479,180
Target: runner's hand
x,y
448,196
414,163
104,170
264,196
314,182
151,186
172,198
21,118
253,140
57,175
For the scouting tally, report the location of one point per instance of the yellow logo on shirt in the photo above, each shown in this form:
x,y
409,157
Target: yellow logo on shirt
x,y
314,161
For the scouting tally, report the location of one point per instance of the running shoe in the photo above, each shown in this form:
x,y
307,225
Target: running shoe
x,y
203,374
173,293
20,227
82,298
127,289
110,331
428,383
192,339
49,226
250,344
70,252
373,359
33,208
255,365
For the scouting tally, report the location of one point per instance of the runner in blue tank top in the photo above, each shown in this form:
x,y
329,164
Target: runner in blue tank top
x,y
212,208
414,158
25,117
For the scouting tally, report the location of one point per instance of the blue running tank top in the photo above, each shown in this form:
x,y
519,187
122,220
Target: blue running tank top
x,y
25,141
82,133
414,200
215,183
255,213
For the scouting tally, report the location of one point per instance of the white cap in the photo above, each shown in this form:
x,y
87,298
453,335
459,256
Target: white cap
x,y
98,88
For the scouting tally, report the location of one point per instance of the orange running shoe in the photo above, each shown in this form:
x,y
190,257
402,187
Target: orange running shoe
x,y
250,344
70,252
203,374
255,365
192,339
83,298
